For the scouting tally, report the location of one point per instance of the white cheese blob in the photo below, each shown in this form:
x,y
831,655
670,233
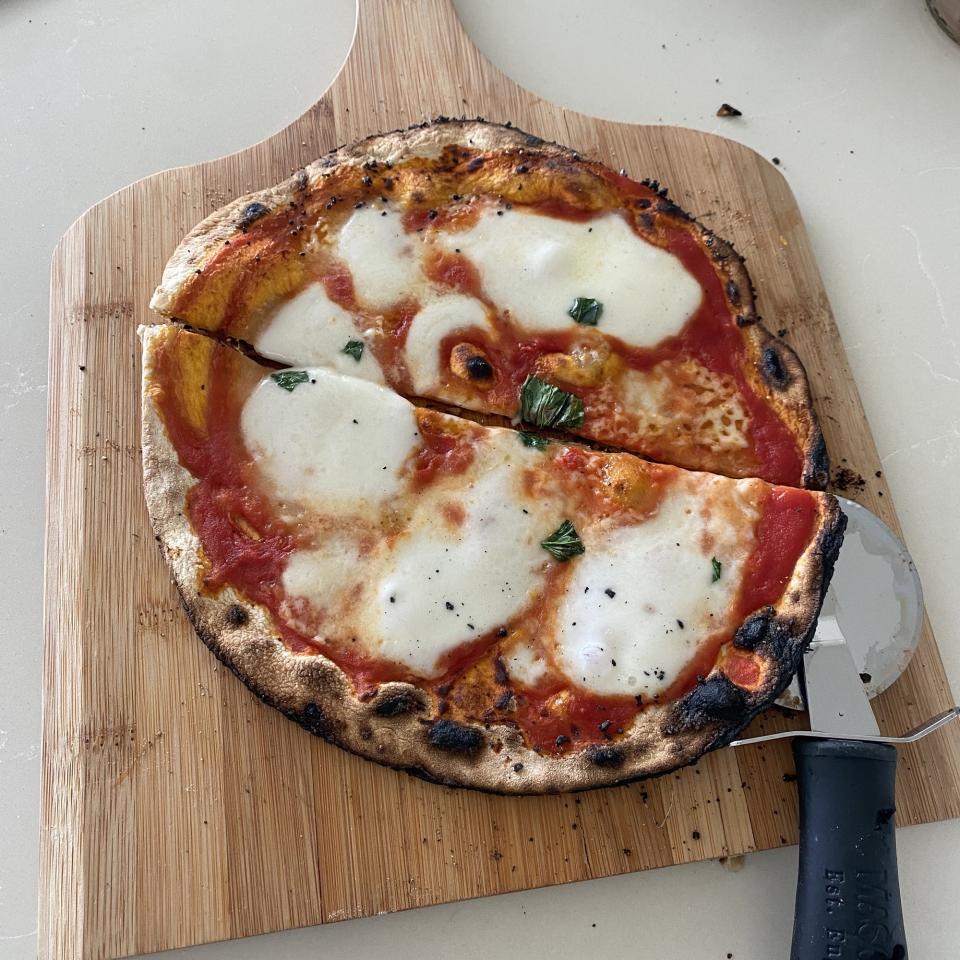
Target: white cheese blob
x,y
436,320
310,328
384,260
642,599
445,584
535,266
525,664
332,442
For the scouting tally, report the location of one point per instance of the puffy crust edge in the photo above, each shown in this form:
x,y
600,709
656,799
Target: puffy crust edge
x,y
398,727
777,368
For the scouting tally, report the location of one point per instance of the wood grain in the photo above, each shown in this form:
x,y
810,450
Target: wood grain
x,y
176,809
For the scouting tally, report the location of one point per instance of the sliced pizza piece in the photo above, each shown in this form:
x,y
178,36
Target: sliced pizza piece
x,y
456,261
482,605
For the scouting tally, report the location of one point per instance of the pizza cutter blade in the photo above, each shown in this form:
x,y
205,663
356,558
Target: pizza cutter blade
x,y
848,895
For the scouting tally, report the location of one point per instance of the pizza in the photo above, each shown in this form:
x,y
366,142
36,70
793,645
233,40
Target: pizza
x,y
447,531
459,259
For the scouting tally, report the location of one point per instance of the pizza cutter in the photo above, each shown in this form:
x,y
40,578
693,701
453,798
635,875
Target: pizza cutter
x,y
848,894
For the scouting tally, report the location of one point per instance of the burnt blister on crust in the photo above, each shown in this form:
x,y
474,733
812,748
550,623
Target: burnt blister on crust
x,y
236,615
398,704
252,211
816,470
773,368
455,737
605,756
711,700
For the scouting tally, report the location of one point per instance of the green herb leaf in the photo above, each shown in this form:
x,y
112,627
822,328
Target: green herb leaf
x,y
289,379
544,405
354,348
717,569
586,310
564,542
532,440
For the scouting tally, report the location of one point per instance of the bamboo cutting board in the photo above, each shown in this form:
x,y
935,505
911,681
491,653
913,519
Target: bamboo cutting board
x,y
176,809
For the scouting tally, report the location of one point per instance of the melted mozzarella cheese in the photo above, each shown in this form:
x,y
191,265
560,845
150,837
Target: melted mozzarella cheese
x,y
310,328
324,577
525,664
436,320
384,260
535,266
444,584
642,599
331,442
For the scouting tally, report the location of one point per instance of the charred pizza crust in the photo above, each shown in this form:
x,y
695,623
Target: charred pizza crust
x,y
402,725
201,288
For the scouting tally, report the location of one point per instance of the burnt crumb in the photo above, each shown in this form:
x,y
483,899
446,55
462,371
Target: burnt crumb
x,y
746,319
782,332
517,767
776,161
395,705
846,479
499,671
865,677
252,211
726,110
878,474
533,141
713,699
627,851
605,756
789,778
455,737
479,368
695,835
772,368
503,632
236,615
610,593
733,293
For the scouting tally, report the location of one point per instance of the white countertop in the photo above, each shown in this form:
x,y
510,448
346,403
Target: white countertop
x,y
858,99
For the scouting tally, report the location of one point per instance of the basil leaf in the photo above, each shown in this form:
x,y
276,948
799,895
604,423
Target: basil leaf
x,y
354,348
544,405
586,310
717,569
289,379
532,440
564,542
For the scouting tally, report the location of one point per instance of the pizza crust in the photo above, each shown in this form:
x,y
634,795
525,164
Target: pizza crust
x,y
400,725
774,368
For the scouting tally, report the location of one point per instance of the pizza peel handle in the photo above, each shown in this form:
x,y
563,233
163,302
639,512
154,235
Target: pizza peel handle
x,y
848,892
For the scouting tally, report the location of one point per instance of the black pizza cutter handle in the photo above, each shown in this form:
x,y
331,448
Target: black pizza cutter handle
x,y
848,891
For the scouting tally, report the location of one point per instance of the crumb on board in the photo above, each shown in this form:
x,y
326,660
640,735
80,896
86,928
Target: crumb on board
x,y
846,479
726,110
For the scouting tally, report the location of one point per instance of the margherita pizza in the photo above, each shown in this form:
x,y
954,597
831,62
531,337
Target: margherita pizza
x,y
360,467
